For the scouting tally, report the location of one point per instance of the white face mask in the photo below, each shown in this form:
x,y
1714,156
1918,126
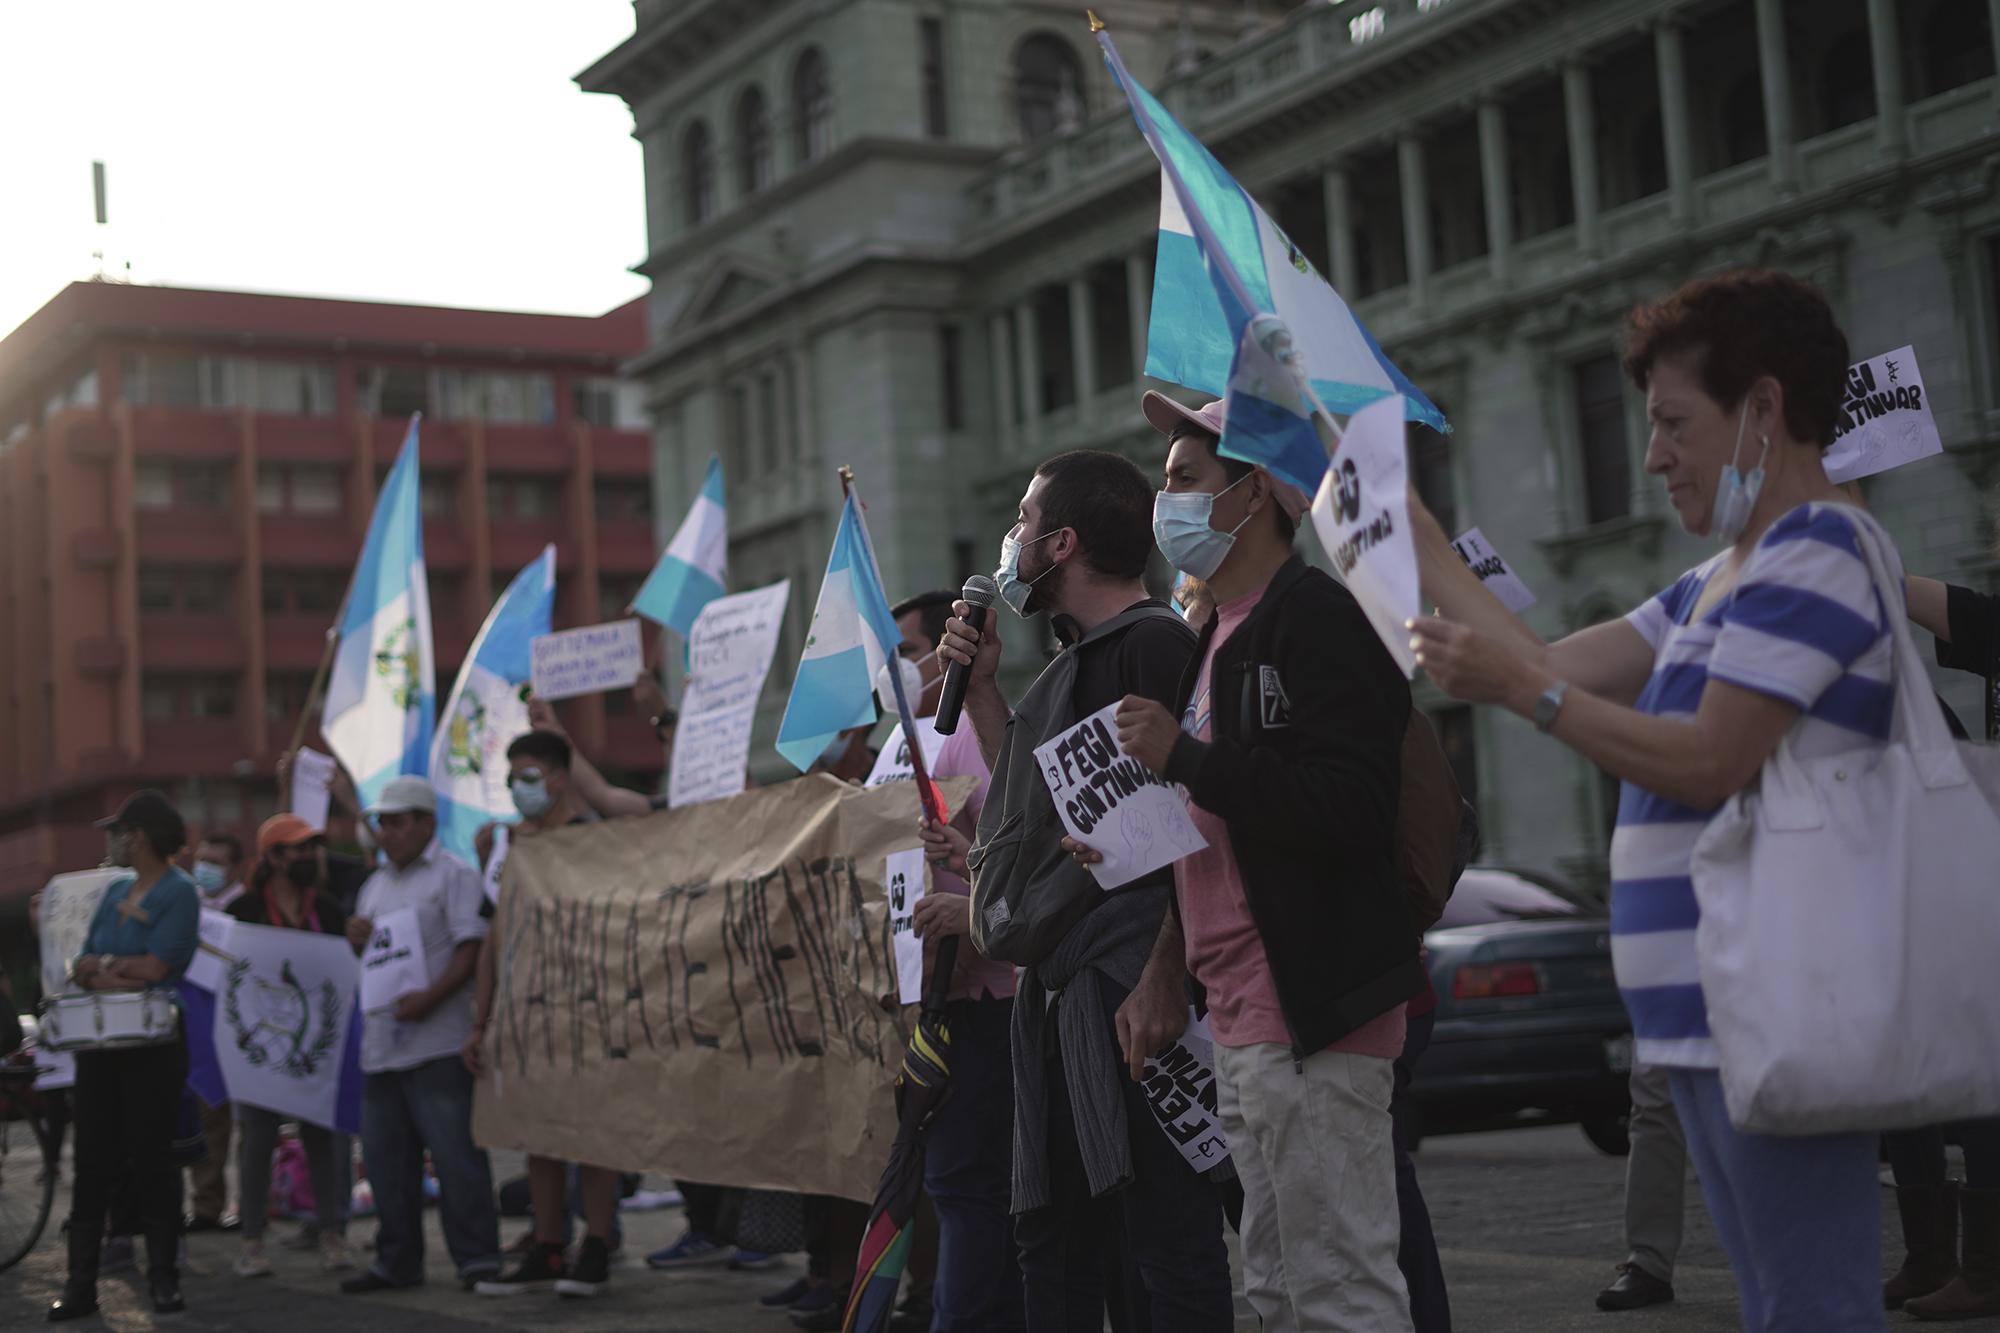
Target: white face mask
x,y
913,683
1736,495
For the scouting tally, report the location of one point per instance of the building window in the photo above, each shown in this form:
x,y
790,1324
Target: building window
x,y
522,495
160,485
1956,48
285,388
1111,323
299,488
1430,473
303,592
393,391
201,590
1743,134
1048,87
152,486
1631,141
156,591
498,397
285,694
930,41
161,379
1299,209
1847,81
768,424
615,593
1057,347
1455,738
1601,439
604,402
174,696
623,499
437,494
812,107
447,595
950,376
753,142
1544,197
738,457
1380,262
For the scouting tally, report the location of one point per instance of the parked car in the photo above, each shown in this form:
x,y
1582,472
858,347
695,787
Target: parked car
x,y
1530,1029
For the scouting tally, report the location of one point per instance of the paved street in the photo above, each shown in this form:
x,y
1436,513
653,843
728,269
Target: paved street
x,y
1529,1222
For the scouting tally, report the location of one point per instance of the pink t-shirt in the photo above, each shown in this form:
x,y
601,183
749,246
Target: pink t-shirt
x,y
1224,950
975,976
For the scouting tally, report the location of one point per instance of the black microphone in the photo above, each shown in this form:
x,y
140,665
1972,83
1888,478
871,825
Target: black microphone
x,y
978,593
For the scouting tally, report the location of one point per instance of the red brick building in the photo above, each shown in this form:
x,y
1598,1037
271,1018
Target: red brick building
x,y
185,480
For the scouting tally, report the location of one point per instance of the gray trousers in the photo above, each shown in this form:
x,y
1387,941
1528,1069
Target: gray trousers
x,y
1655,1175
329,1157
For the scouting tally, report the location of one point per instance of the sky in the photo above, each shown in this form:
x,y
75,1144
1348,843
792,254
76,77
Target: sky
x,y
427,151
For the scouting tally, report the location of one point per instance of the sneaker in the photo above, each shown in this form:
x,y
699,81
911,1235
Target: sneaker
x,y
785,1298
1634,1290
538,1272
751,1261
524,1246
590,1272
818,1299
252,1262
828,1320
691,1250
116,1256
334,1256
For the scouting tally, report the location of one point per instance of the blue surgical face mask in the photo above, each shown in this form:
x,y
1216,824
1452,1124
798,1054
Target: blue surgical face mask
x,y
1012,590
1737,495
531,796
210,878
1181,530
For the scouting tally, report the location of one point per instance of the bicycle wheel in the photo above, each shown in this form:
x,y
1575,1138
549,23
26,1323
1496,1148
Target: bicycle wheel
x,y
27,1185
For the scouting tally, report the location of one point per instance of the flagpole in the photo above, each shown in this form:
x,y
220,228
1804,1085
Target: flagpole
x,y
315,698
1267,328
927,794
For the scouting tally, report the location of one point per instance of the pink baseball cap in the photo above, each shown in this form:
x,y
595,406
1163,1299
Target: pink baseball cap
x,y
1166,416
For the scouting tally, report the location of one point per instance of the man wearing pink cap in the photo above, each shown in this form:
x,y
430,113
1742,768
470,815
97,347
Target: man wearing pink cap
x,y
1287,743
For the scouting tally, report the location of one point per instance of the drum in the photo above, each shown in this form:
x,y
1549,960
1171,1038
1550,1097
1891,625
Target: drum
x,y
108,1020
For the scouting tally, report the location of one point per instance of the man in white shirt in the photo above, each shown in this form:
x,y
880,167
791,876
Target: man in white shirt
x,y
418,1092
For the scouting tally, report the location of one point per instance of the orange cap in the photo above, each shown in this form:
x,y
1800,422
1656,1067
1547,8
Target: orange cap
x,y
284,831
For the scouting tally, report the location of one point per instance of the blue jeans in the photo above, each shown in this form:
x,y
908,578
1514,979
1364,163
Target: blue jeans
x,y
968,1162
1801,1218
402,1114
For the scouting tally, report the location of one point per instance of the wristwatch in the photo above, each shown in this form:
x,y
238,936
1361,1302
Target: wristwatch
x,y
1550,705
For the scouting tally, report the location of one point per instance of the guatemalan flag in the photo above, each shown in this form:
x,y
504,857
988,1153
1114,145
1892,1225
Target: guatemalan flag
x,y
381,702
693,568
488,708
1227,288
852,635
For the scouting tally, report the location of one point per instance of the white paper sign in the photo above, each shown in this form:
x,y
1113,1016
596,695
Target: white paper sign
x,y
1180,1088
496,861
590,660
1885,421
207,969
1498,576
54,1069
312,781
893,764
68,903
393,964
729,654
1113,804
1362,517
903,872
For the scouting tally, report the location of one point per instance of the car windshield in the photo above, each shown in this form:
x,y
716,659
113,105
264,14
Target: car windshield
x,y
1486,896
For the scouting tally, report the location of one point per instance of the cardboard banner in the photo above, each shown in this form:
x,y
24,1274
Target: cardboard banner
x,y
1362,516
1885,419
699,992
589,660
1113,804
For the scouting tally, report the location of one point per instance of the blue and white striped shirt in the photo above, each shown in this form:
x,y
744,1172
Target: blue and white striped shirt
x,y
1804,624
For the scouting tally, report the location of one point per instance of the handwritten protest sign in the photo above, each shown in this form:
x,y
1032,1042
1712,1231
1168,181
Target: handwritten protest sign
x,y
1498,576
1180,1088
1885,421
904,874
312,785
496,860
1119,808
68,903
893,764
207,969
590,660
697,992
393,965
1362,517
729,654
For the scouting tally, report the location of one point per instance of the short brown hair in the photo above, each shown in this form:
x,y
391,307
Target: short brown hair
x,y
1107,501
1741,326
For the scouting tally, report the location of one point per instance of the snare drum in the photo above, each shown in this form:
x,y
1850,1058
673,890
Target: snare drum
x,y
109,1020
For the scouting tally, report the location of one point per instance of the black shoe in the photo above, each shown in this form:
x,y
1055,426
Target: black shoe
x,y
591,1271
1635,1289
365,1281
166,1294
538,1271
78,1301
828,1320
194,1225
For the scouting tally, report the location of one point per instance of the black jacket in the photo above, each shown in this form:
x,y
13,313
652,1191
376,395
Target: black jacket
x,y
1308,712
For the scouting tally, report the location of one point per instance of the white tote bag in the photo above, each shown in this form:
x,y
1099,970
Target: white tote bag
x,y
1850,920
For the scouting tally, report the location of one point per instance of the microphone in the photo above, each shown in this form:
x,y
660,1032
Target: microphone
x,y
978,593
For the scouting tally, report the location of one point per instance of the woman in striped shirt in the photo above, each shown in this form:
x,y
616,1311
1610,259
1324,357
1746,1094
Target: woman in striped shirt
x,y
1684,699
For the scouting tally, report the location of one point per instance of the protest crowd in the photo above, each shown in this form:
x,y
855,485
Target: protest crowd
x,y
1167,966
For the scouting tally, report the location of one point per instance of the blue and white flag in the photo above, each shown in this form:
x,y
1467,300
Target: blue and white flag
x,y
381,699
488,708
1228,286
695,565
852,636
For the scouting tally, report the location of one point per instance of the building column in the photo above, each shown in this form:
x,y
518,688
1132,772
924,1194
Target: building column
x,y
1083,344
1774,72
1028,368
1139,304
1886,42
1338,188
1671,56
1581,116
1416,214
999,350
1498,189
